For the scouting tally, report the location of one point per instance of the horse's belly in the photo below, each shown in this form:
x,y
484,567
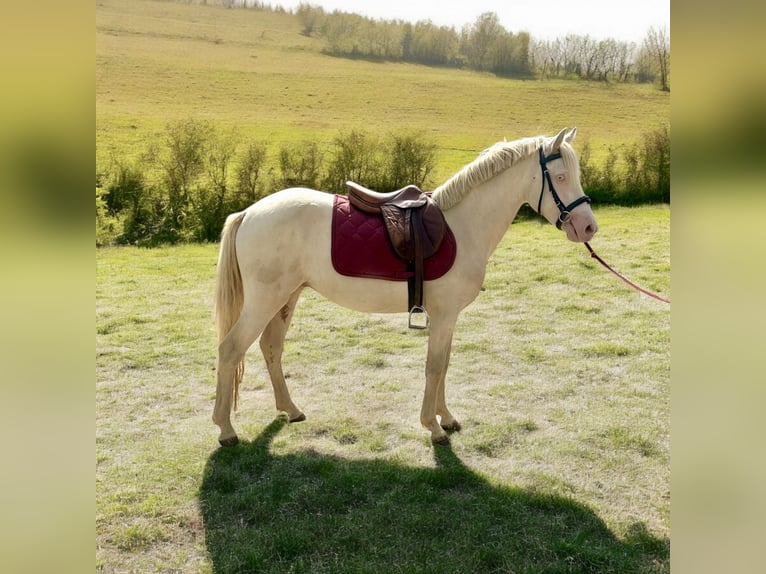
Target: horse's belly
x,y
359,294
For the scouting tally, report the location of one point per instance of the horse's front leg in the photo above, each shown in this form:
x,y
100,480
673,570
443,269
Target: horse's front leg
x,y
446,420
439,346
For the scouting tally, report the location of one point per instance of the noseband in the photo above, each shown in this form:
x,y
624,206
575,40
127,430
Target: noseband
x,y
565,211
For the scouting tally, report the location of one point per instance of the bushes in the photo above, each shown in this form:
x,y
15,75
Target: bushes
x,y
179,189
183,188
300,165
355,155
409,159
249,186
107,226
643,175
384,164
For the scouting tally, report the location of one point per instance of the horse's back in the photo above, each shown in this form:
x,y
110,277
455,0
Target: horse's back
x,y
288,204
284,214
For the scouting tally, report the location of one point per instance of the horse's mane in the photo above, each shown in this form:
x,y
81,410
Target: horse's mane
x,y
487,165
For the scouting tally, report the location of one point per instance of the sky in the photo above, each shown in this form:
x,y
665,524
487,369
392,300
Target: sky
x,y
627,21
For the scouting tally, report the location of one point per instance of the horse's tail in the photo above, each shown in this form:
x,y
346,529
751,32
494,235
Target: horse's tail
x,y
229,295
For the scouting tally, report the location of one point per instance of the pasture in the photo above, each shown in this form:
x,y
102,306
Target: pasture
x,y
560,375
255,72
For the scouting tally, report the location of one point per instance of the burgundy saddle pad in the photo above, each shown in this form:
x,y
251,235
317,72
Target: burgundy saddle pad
x,y
361,248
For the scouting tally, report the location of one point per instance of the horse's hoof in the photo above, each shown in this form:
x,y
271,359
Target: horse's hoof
x,y
231,441
300,418
441,441
453,426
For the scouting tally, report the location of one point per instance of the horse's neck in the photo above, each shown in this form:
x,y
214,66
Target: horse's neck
x,y
483,216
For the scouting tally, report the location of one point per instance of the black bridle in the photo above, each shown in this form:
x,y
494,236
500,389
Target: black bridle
x,y
565,211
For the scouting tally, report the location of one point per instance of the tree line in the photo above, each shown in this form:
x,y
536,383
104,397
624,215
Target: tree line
x,y
486,45
483,45
585,58
182,187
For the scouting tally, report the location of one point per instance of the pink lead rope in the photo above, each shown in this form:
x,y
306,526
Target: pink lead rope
x,y
628,281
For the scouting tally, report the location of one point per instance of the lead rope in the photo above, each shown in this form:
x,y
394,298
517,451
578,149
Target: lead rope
x,y
628,281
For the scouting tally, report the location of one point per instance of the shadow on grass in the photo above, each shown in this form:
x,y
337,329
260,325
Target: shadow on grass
x,y
315,513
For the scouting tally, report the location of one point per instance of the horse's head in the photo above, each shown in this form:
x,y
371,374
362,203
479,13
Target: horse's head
x,y
562,200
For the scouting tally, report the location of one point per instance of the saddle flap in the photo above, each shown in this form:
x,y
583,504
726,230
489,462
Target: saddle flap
x,y
397,222
400,225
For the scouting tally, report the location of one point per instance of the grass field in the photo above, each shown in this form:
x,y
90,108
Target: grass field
x,y
560,375
160,61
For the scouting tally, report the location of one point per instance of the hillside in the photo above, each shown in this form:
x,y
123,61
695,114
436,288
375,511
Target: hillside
x,y
159,61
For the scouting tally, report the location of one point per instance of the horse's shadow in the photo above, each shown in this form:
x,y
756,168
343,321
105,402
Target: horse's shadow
x,y
315,513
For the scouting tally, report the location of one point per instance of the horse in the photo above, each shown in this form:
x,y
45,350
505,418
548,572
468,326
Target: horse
x,y
281,244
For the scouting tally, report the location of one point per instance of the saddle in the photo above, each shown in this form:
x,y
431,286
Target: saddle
x,y
416,228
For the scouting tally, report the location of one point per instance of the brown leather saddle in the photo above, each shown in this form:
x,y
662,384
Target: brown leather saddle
x,y
416,228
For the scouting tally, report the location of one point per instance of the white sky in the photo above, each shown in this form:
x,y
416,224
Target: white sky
x,y
626,20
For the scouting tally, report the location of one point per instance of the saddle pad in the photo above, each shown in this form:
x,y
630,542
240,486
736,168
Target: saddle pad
x,y
361,248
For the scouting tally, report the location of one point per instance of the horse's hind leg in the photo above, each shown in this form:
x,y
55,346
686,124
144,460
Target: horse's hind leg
x,y
231,352
272,344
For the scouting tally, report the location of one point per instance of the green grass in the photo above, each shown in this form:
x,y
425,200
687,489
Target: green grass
x,y
254,71
340,515
559,374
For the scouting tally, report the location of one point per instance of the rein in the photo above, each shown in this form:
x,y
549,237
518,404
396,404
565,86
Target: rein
x,y
565,212
628,281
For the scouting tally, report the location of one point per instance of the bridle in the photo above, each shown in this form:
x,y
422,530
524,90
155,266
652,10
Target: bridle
x,y
565,211
565,214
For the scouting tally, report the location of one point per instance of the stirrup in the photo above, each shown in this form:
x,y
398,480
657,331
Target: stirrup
x,y
418,310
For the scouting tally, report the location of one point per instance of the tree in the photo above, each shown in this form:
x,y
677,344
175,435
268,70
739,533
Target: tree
x,y
657,45
432,45
310,16
342,32
479,37
509,55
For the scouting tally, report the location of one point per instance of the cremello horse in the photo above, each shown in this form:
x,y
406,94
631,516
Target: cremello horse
x,y
278,246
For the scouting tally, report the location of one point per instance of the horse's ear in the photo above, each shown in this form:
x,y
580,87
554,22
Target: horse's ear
x,y
571,136
557,141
